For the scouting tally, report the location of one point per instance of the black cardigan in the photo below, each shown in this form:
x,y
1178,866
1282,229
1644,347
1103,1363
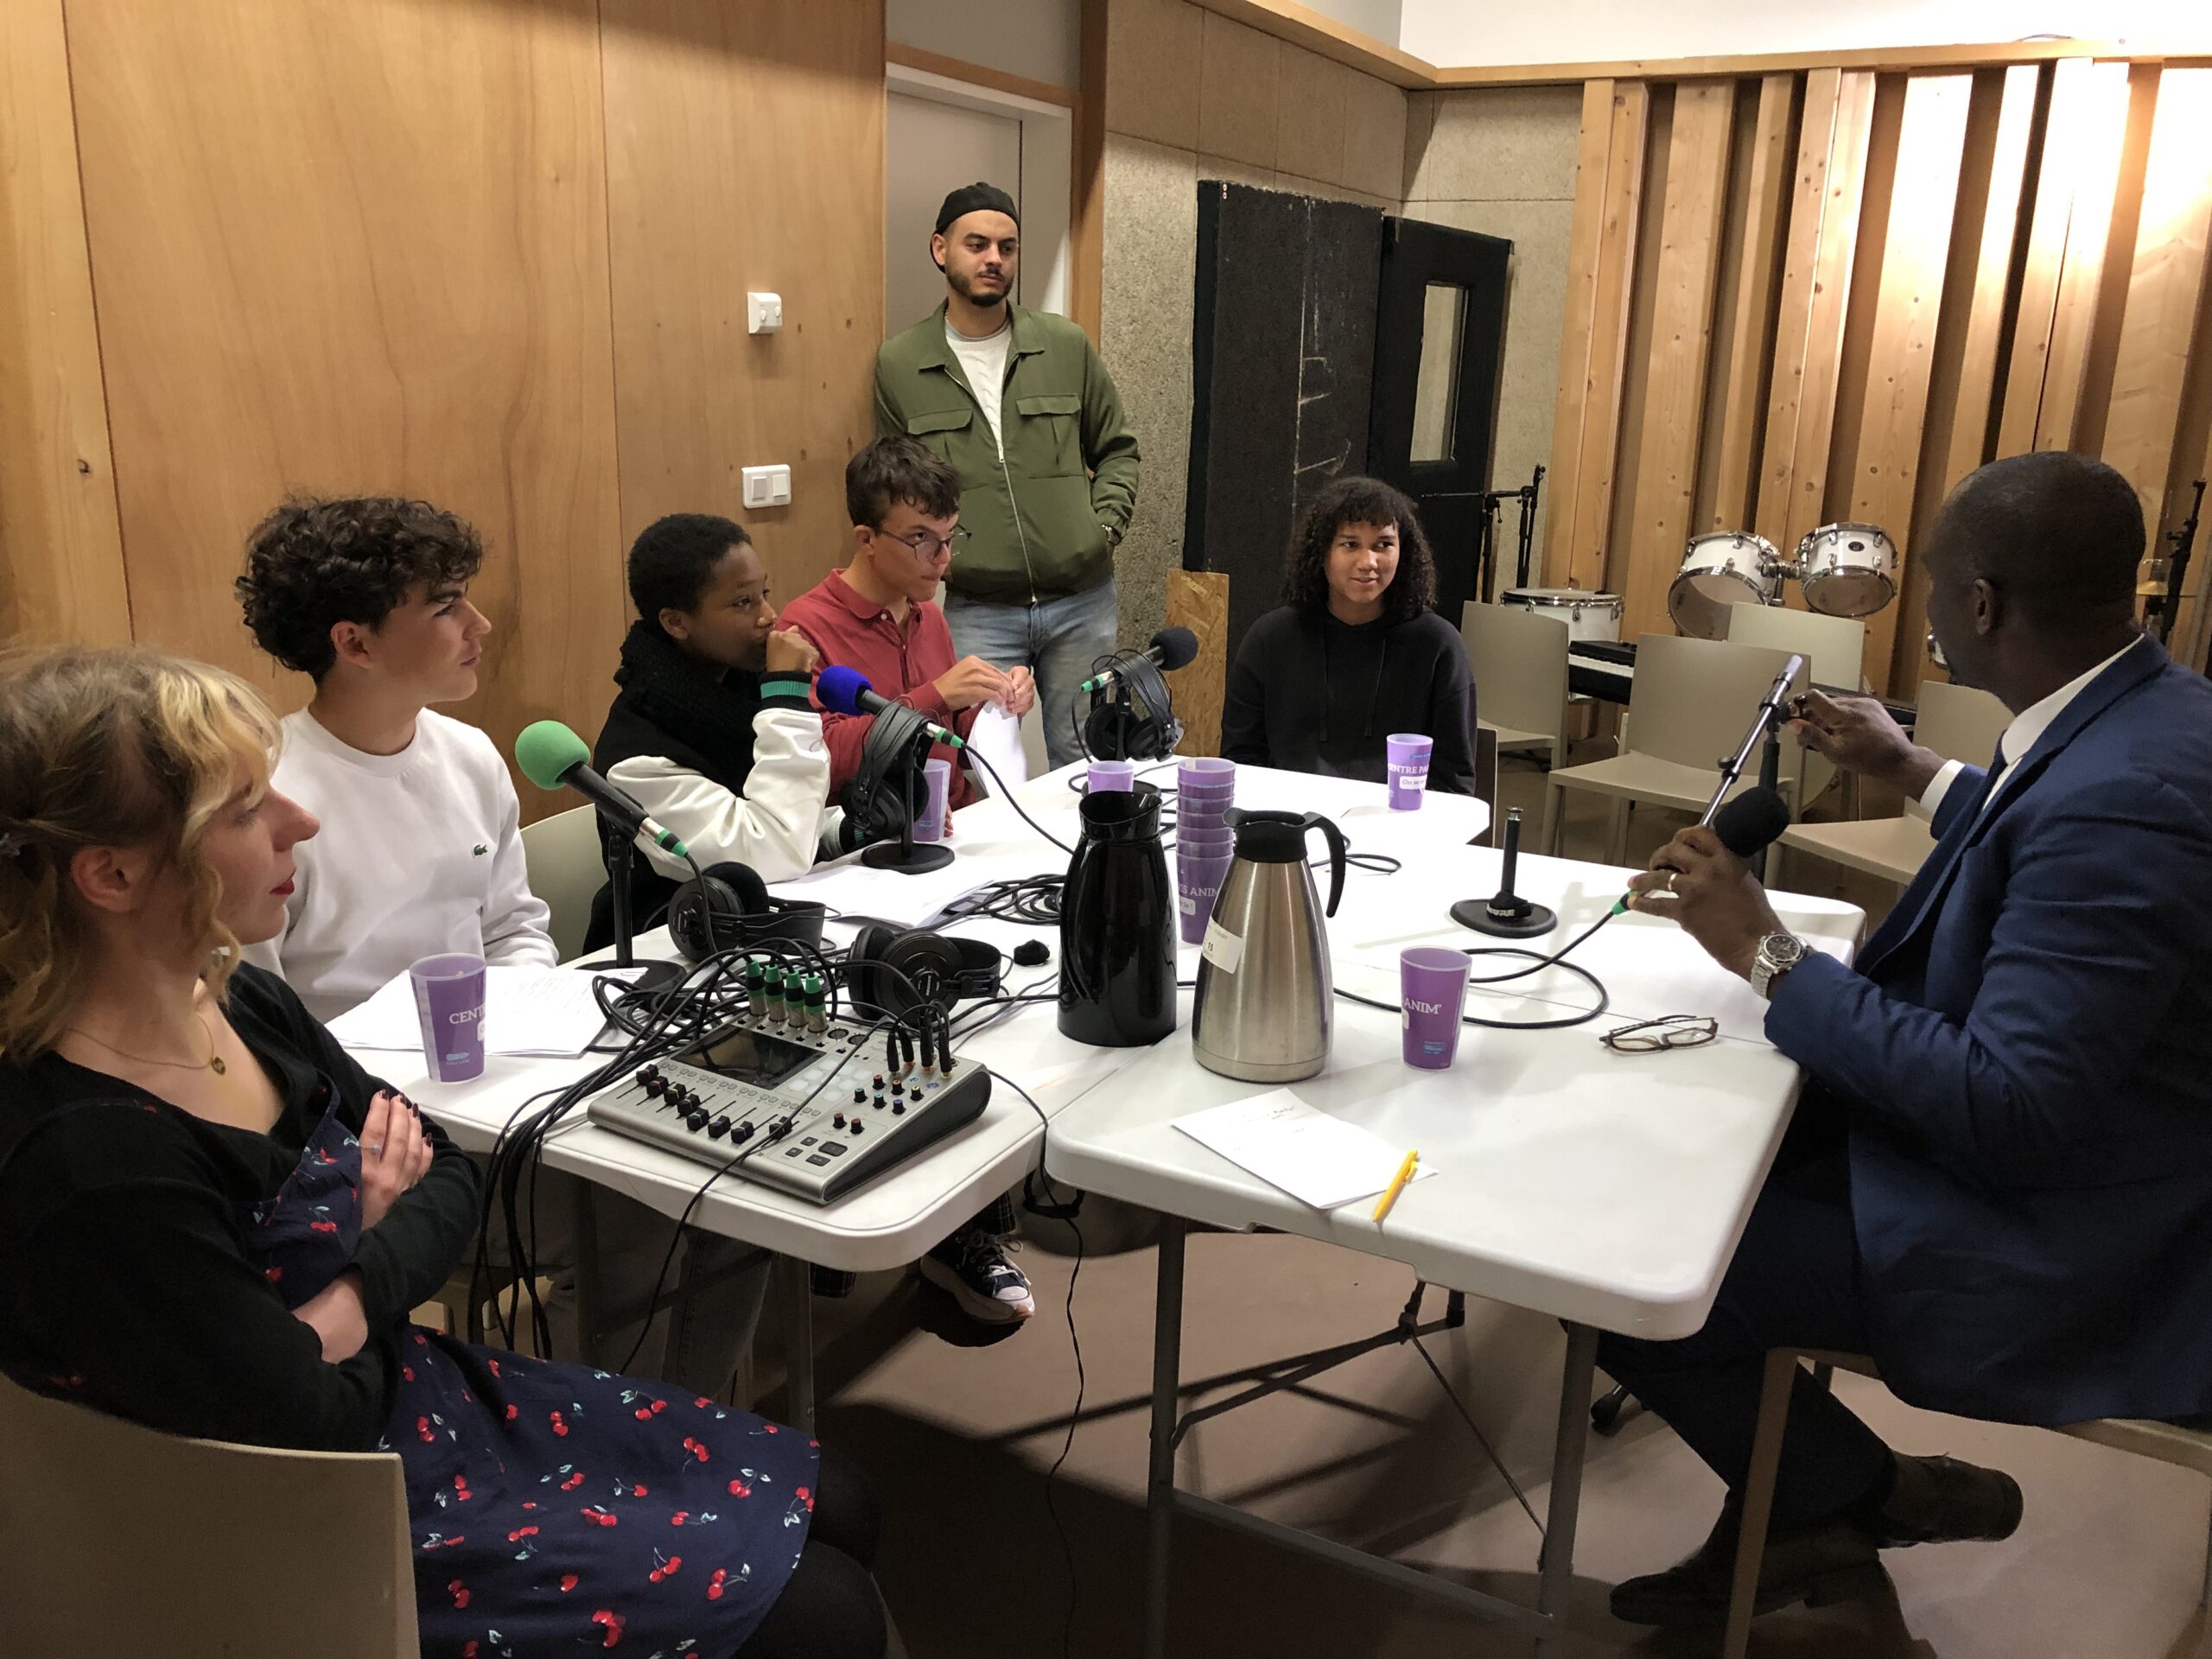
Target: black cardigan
x,y
124,1279
1308,693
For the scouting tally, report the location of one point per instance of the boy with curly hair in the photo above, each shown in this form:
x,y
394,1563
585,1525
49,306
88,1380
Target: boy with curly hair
x,y
421,849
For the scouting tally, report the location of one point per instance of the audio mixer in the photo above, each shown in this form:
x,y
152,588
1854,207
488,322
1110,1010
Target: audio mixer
x,y
811,1113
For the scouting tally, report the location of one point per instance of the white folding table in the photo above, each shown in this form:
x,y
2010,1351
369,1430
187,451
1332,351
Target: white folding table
x,y
1606,1190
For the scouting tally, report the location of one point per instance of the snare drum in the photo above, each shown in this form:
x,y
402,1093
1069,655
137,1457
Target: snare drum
x,y
1848,569
1587,615
1722,567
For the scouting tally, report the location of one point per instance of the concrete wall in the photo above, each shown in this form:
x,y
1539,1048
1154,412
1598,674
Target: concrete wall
x,y
1502,162
1038,39
1190,95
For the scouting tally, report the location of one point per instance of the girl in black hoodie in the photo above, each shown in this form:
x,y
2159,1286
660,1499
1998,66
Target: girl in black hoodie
x,y
1354,656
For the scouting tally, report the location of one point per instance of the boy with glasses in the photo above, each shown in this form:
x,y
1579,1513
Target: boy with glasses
x,y
879,615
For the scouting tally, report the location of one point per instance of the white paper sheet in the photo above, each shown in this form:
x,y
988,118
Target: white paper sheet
x,y
996,736
1318,1159
527,1011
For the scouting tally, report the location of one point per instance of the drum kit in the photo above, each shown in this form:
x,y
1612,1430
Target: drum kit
x,y
1844,570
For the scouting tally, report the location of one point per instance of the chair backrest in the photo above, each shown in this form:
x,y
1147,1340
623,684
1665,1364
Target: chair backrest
x,y
1519,660
1958,723
1834,645
120,1538
561,858
1486,780
1694,699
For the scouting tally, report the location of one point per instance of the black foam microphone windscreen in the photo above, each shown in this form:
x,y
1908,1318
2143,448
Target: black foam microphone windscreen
x,y
1753,821
1175,648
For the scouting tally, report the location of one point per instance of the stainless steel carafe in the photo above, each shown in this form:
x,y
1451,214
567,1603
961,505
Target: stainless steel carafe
x,y
1262,1010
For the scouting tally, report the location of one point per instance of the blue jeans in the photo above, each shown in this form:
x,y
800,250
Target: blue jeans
x,y
1058,641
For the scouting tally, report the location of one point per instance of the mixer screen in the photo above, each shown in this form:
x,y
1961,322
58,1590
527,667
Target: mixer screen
x,y
755,1057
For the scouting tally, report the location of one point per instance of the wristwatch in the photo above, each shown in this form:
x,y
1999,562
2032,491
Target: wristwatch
x,y
1778,954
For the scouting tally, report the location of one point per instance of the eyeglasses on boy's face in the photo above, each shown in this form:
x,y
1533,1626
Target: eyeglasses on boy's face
x,y
926,545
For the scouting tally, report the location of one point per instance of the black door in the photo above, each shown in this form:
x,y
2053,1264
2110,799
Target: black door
x,y
1439,344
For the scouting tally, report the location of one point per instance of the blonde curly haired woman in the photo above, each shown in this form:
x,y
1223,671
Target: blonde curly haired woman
x,y
213,1222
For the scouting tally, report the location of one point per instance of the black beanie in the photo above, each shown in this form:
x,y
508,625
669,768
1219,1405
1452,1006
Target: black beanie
x,y
975,199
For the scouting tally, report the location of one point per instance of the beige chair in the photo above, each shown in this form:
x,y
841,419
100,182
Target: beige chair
x,y
1959,723
1519,659
1834,647
2187,1448
1692,700
118,1538
561,858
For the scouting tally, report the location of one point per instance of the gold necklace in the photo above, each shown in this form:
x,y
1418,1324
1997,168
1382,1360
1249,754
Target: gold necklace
x,y
212,1063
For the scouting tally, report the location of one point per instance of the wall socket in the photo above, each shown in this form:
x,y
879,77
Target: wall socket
x,y
767,486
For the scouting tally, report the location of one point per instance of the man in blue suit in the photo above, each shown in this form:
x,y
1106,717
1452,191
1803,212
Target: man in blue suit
x,y
1999,1182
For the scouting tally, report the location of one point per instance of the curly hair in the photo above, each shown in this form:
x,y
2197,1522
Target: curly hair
x,y
108,749
1360,501
312,564
673,556
900,468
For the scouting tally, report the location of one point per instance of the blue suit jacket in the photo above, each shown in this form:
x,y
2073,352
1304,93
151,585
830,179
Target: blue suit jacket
x,y
2024,1056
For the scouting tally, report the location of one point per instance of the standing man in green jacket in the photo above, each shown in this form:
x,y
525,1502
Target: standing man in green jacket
x,y
1020,405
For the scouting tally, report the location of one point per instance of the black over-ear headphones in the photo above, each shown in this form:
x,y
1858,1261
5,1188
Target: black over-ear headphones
x,y
878,797
1137,721
729,907
898,974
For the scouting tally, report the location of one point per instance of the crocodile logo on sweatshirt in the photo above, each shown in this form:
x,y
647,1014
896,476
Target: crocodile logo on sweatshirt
x,y
480,849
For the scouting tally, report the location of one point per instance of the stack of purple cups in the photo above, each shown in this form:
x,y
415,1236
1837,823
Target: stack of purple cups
x,y
1205,788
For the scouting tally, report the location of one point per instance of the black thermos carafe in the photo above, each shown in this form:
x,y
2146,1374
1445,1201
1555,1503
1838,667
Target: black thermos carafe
x,y
1118,925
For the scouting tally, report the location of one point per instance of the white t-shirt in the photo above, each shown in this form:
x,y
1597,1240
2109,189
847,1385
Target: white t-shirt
x,y
420,852
984,361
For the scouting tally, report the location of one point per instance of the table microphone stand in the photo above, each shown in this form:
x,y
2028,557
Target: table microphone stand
x,y
1505,914
1766,731
621,872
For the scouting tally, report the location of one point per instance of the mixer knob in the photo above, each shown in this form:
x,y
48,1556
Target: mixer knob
x,y
695,1119
720,1127
742,1132
655,1087
837,1122
858,1126
860,1097
898,1110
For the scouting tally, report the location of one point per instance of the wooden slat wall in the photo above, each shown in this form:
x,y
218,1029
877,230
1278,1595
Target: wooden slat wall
x,y
1930,145
1601,254
1681,330
1978,263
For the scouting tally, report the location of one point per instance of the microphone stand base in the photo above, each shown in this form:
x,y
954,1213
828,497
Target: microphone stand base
x,y
1523,920
656,977
917,858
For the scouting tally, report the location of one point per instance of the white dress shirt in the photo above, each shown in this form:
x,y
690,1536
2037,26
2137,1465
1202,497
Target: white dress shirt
x,y
2027,728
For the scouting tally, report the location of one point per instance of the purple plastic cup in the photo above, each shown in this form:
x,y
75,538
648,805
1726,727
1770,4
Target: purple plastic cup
x,y
1207,769
929,826
449,1001
1406,755
1113,774
1432,990
1201,817
1206,836
1199,877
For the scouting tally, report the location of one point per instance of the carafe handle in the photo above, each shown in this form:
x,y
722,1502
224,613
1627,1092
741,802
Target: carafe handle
x,y
1327,827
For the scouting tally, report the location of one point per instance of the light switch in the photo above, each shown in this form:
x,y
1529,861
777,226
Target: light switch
x,y
766,486
764,313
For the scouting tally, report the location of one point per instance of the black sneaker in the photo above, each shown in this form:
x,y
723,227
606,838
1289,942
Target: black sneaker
x,y
972,1265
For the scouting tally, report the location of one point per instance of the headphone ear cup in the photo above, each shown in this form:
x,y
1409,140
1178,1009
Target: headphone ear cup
x,y
695,915
865,952
982,967
742,885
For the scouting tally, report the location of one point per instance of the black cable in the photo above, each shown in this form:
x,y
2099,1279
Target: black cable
x,y
1082,1381
1539,961
1007,795
1029,900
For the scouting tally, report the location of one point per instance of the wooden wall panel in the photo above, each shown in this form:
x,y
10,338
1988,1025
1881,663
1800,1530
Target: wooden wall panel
x,y
2165,284
1815,293
1585,433
1751,319
1914,251
745,150
2063,269
61,541
1681,344
359,247
1963,385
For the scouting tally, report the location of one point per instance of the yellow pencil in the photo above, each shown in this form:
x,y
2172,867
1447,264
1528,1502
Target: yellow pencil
x,y
1397,1186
